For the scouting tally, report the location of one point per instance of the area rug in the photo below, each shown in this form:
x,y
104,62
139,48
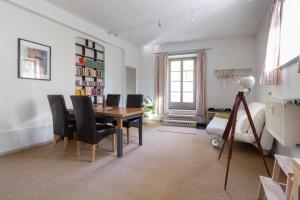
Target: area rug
x,y
181,130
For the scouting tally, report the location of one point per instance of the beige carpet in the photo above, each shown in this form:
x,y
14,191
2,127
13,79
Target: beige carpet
x,y
169,166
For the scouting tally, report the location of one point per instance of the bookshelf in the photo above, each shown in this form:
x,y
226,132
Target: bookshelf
x,y
90,68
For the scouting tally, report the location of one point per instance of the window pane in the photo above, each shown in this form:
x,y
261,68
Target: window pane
x,y
188,65
290,31
175,66
188,97
188,87
175,86
175,96
175,76
188,76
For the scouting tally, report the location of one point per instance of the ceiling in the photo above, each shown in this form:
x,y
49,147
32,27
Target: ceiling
x,y
181,20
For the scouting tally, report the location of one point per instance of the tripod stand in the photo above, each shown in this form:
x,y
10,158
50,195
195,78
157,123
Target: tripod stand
x,y
240,97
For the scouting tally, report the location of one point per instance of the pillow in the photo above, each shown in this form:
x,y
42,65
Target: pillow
x,y
242,122
257,111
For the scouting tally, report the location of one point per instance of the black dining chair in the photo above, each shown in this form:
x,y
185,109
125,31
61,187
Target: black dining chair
x,y
133,101
87,129
64,125
112,100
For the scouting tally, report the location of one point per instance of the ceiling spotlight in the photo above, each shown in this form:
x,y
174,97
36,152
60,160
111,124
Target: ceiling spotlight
x,y
192,16
113,33
159,24
130,34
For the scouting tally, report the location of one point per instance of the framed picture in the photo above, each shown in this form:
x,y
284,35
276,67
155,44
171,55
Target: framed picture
x,y
34,60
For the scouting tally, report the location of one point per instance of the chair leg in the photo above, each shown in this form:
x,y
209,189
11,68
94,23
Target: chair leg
x,y
93,152
75,136
55,140
113,139
66,141
128,136
78,148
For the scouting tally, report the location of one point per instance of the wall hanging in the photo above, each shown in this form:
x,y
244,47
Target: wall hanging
x,y
34,60
225,74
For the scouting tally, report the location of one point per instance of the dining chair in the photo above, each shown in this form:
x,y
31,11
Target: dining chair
x,y
133,101
112,100
64,125
87,129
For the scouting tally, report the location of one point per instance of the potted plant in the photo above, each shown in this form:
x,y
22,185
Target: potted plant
x,y
150,110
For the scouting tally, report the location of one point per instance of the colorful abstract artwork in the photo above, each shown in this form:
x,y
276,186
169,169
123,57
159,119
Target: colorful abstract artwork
x,y
34,60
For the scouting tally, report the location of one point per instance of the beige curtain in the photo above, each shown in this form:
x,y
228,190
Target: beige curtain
x,y
161,64
201,84
271,74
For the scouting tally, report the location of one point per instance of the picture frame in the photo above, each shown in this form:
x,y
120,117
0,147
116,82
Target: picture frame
x,y
34,60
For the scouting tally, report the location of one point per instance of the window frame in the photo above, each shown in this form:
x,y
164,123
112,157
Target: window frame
x,y
182,105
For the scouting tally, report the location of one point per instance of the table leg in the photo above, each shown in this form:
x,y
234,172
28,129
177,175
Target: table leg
x,y
141,130
119,138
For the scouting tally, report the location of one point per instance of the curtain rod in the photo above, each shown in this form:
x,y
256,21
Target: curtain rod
x,y
183,52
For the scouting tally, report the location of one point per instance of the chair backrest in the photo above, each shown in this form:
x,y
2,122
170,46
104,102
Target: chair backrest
x,y
85,118
113,100
59,114
134,101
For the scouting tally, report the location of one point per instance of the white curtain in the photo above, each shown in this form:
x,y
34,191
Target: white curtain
x,y
201,83
161,64
271,74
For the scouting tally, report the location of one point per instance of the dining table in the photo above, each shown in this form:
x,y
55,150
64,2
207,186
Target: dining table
x,y
119,114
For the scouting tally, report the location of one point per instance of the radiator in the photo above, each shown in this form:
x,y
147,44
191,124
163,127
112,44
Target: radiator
x,y
180,120
283,120
180,123
180,117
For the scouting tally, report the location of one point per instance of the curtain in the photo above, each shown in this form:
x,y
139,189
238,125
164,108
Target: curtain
x,y
201,83
271,74
161,64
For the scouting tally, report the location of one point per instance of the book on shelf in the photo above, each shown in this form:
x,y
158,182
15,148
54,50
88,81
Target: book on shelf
x,y
99,74
80,92
100,91
78,83
79,71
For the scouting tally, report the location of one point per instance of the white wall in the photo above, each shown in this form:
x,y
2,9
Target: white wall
x,y
225,53
290,86
25,117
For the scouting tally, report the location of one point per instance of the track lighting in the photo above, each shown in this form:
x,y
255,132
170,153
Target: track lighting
x,y
192,16
159,24
113,33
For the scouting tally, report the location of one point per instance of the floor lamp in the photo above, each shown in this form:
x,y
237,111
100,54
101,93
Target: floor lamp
x,y
247,83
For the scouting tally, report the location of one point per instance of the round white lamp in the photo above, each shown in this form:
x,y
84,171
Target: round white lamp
x,y
247,83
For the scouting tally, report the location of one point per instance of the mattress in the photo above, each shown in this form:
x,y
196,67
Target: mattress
x,y
217,126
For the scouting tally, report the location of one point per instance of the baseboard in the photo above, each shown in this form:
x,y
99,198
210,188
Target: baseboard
x,y
24,148
26,138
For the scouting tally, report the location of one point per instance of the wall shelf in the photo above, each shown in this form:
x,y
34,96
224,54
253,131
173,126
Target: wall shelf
x,y
95,81
89,57
81,45
225,74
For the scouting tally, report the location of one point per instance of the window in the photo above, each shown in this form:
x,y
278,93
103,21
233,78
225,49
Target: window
x,y
182,83
290,31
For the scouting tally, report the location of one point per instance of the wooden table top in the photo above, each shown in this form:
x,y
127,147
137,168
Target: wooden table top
x,y
116,112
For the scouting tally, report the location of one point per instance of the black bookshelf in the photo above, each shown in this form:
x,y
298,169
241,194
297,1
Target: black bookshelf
x,y
88,49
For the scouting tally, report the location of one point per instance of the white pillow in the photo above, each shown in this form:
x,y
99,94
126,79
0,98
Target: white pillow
x,y
242,122
257,111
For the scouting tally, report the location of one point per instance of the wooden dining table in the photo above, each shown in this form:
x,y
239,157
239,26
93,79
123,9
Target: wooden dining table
x,y
119,114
